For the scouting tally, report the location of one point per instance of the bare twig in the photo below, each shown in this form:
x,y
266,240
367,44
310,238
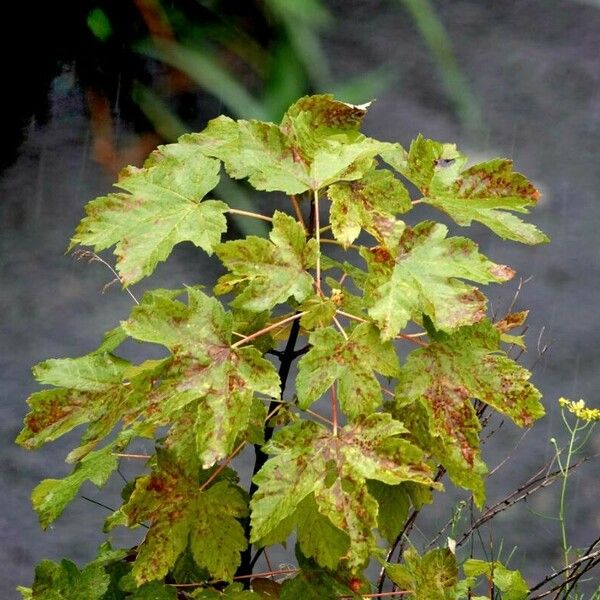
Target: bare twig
x,y
592,558
540,480
138,456
411,337
93,257
298,211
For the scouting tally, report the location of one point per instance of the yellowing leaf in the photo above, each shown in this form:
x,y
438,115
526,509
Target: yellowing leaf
x,y
179,513
352,363
488,192
205,370
319,312
369,203
432,576
422,277
64,581
163,207
103,390
51,496
443,378
309,459
317,143
269,272
510,583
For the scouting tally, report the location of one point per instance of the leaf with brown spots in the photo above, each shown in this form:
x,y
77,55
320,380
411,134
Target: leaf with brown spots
x,y
102,390
487,192
317,143
432,576
422,277
163,208
437,385
220,381
369,203
351,363
308,459
180,513
265,273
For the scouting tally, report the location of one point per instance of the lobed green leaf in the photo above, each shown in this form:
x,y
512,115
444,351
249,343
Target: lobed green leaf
x,y
422,276
162,208
351,363
435,388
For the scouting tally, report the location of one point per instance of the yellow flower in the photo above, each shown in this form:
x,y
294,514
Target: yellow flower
x,y
580,410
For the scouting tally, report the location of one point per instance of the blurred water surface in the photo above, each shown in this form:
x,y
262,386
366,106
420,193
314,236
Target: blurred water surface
x,y
534,70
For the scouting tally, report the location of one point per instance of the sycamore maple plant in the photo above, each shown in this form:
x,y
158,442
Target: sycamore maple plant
x,y
364,437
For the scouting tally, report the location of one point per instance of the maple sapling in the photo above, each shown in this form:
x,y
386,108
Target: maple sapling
x,y
358,442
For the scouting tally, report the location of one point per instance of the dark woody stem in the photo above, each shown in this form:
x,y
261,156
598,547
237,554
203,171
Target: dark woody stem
x,y
286,357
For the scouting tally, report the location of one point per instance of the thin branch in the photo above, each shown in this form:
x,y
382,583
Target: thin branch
x,y
339,326
336,243
93,257
412,338
404,336
264,330
380,595
236,578
575,563
535,483
305,410
593,559
106,507
247,561
334,409
318,238
301,351
298,211
317,415
510,454
109,508
575,576
247,213
223,465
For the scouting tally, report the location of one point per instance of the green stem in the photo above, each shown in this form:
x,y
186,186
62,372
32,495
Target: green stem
x,y
247,213
563,494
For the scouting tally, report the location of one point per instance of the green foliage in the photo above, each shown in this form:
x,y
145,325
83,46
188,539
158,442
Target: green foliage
x,y
342,479
163,208
349,364
434,392
268,273
183,513
432,576
510,583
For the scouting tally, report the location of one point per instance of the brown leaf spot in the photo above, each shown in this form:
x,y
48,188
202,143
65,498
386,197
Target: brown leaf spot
x,y
502,272
381,254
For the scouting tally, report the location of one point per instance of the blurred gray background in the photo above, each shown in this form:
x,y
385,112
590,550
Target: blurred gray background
x,y
515,78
